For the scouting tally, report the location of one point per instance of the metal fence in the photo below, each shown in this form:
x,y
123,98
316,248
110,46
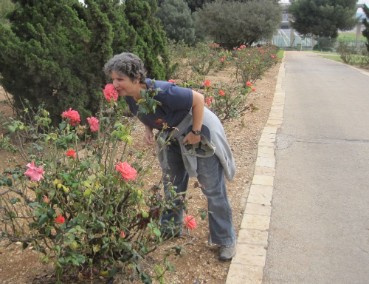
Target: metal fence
x,y
289,39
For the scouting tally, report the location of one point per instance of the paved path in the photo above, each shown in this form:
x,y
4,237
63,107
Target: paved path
x,y
307,214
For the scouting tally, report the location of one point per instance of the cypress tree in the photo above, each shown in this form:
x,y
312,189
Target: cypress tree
x,y
177,21
195,5
151,42
366,25
53,52
6,6
51,56
124,35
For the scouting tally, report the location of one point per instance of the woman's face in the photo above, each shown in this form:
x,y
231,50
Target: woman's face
x,y
124,85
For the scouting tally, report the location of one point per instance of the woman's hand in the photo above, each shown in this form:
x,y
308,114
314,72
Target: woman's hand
x,y
149,135
191,138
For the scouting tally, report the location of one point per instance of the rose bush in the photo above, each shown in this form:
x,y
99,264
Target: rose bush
x,y
252,62
227,100
246,63
81,197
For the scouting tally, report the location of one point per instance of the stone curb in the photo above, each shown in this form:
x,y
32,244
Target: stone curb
x,y
252,243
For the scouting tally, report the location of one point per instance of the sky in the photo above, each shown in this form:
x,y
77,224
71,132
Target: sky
x,y
363,2
359,2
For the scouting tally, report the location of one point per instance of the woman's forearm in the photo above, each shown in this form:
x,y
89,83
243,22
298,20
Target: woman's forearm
x,y
197,110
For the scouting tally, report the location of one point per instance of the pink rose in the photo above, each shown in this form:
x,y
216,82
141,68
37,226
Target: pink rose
x,y
190,222
208,100
110,93
72,116
248,84
94,123
33,172
128,173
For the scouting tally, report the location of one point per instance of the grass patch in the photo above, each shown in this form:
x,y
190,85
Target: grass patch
x,y
330,55
280,53
354,59
350,37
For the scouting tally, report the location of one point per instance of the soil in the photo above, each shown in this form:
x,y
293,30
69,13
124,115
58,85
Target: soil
x,y
197,262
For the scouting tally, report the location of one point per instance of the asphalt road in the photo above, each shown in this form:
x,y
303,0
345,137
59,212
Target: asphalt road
x,y
319,230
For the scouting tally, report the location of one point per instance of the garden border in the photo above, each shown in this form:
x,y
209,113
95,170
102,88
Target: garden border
x,y
248,264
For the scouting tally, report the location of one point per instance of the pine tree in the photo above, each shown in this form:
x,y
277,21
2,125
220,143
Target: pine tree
x,y
323,18
250,21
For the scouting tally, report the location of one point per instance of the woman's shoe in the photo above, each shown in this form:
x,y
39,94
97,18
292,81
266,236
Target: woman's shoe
x,y
226,253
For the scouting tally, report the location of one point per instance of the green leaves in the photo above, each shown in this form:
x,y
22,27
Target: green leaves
x,y
147,103
16,125
122,133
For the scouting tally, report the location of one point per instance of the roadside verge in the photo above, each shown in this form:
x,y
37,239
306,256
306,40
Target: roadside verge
x,y
248,264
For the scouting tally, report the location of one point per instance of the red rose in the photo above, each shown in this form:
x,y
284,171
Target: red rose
x,y
71,153
59,219
207,83
190,222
